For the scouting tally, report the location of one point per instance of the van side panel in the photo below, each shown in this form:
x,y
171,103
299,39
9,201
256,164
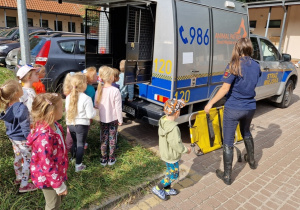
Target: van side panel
x,y
193,44
228,27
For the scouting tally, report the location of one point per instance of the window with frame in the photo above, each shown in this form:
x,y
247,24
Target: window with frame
x,y
44,23
269,51
81,46
274,24
256,51
30,22
81,27
252,23
68,46
58,27
11,21
71,27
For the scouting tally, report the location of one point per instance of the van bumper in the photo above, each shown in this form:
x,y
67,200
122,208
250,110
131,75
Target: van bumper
x,y
144,110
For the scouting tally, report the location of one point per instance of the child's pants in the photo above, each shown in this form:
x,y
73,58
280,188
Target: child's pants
x,y
69,140
22,152
108,136
53,201
79,134
172,174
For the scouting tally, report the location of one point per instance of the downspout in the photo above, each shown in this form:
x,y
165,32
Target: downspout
x,y
5,18
41,20
268,21
283,25
56,23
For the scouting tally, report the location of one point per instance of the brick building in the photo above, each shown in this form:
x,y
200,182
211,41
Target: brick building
x,y
48,14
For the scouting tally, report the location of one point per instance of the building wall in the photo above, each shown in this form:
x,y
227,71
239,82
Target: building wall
x,y
45,16
291,36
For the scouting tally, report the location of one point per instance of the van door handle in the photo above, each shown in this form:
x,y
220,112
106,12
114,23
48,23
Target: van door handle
x,y
266,69
81,63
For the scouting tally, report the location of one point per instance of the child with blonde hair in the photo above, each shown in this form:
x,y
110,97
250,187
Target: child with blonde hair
x,y
16,118
91,77
49,163
27,75
116,78
39,87
80,110
109,103
125,89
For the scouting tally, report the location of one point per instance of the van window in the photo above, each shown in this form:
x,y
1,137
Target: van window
x,y
67,47
256,51
36,45
81,46
269,51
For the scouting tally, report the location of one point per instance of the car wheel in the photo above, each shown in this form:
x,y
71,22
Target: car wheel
x,y
287,95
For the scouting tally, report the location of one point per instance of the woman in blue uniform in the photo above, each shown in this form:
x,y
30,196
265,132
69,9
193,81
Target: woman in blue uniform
x,y
240,79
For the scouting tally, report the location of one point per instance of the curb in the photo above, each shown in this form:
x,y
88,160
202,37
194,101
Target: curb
x,y
115,199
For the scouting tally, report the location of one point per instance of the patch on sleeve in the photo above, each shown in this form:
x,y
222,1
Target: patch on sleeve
x,y
226,74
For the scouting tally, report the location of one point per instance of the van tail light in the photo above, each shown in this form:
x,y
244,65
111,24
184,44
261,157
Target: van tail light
x,y
160,98
42,56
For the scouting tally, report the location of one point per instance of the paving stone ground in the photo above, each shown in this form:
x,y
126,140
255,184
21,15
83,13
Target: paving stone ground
x,y
275,184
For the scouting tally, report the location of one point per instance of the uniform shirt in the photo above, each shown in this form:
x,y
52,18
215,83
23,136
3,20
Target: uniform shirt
x,y
242,90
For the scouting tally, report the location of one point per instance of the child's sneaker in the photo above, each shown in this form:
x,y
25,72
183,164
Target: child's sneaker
x,y
171,191
28,188
80,167
160,193
112,161
103,161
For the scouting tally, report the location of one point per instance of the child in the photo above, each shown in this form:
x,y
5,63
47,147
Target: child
x,y
116,78
125,89
16,118
91,76
39,87
170,147
49,163
80,110
108,101
28,75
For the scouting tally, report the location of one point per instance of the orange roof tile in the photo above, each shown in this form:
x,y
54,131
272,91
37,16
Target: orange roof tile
x,y
46,6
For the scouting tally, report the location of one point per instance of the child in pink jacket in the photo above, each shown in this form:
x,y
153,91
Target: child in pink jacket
x,y
49,162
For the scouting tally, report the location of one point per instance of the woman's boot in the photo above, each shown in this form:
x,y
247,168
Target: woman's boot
x,y
227,159
249,157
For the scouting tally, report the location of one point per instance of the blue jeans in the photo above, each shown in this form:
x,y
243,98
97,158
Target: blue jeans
x,y
230,121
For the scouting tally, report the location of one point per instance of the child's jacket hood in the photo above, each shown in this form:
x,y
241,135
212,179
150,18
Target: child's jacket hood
x,y
166,126
17,121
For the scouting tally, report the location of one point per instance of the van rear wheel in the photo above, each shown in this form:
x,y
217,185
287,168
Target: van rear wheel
x,y
287,95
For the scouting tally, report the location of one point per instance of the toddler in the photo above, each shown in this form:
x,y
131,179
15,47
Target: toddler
x,y
108,101
116,78
125,89
91,77
28,75
16,118
80,110
39,87
170,147
49,163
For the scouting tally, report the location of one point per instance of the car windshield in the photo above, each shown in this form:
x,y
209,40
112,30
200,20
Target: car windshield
x,y
36,43
9,32
3,32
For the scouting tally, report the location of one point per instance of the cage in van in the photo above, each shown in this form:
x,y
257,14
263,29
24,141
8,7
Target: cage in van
x,y
173,48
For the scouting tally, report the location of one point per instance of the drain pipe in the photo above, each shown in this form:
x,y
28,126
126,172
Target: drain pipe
x,y
268,21
283,25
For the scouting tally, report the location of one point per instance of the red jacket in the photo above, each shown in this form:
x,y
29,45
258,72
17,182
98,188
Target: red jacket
x,y
49,161
39,87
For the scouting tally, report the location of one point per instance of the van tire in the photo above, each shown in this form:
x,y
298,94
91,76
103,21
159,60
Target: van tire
x,y
287,95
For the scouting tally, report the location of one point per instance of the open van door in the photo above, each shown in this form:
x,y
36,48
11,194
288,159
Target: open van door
x,y
97,38
139,44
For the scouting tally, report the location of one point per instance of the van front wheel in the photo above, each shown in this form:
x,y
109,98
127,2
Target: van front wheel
x,y
287,95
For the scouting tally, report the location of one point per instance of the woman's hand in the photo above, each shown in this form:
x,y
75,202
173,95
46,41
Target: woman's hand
x,y
189,150
63,193
207,108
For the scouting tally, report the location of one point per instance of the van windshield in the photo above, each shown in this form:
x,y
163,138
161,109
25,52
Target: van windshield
x,y
36,45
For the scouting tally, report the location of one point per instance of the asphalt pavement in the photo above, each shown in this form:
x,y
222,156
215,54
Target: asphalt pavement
x,y
275,184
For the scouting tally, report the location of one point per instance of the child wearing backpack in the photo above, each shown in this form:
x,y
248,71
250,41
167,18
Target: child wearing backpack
x,y
109,102
49,162
17,122
170,147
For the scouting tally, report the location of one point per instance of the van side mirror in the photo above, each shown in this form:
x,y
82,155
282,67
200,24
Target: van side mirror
x,y
286,57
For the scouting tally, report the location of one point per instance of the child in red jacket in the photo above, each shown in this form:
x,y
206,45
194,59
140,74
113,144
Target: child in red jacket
x,y
49,162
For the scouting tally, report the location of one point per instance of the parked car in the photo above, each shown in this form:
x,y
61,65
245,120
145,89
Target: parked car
x,y
9,45
14,34
60,53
